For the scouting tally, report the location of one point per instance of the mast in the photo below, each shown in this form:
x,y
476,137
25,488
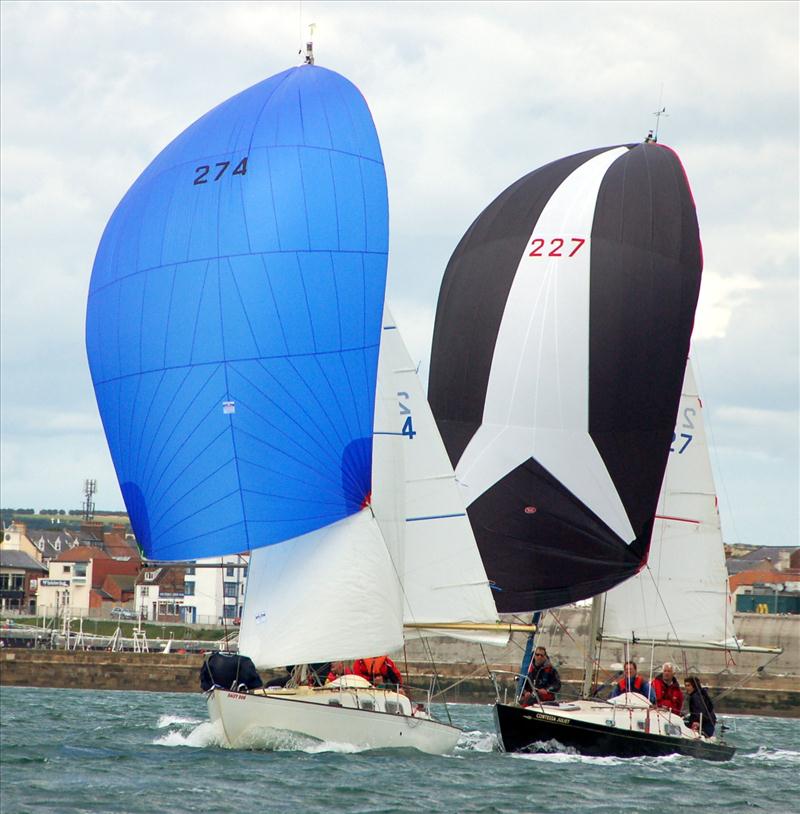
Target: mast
x,y
595,638
525,666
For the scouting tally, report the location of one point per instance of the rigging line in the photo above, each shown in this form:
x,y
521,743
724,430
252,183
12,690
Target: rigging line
x,y
712,447
406,602
758,669
461,680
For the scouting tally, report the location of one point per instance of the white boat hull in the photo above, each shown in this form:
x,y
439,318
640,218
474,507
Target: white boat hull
x,y
248,720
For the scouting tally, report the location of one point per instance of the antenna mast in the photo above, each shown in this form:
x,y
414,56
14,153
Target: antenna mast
x,y
89,488
309,58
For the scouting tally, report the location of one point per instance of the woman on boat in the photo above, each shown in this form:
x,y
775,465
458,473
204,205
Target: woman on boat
x,y
701,709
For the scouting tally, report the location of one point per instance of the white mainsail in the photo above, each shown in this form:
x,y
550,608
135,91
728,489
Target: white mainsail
x,y
330,594
682,594
346,590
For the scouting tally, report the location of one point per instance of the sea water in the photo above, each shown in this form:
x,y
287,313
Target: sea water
x,y
136,752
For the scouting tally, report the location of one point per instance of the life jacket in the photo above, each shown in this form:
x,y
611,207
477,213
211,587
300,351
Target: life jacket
x,y
669,696
376,667
635,686
379,668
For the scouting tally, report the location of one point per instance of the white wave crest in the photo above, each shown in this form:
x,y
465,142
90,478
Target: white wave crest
x,y
774,755
477,741
202,736
282,740
554,752
176,720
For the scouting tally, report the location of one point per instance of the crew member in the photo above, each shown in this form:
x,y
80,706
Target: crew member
x,y
701,710
543,680
631,682
378,670
667,689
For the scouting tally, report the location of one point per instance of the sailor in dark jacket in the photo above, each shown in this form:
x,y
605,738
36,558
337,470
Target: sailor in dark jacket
x,y
544,679
701,709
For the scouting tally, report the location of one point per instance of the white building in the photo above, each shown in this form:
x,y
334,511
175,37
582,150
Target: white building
x,y
214,590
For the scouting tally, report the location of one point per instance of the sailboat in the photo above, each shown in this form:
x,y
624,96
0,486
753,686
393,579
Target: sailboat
x,y
233,330
559,350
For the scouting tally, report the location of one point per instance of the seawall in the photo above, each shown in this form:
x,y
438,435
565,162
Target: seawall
x,y
772,690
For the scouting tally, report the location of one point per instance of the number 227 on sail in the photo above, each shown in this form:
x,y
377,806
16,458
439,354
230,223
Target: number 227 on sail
x,y
556,246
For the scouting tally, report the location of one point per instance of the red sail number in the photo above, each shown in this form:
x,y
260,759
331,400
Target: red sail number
x,y
556,245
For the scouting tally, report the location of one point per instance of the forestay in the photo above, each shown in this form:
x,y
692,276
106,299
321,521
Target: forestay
x,y
682,595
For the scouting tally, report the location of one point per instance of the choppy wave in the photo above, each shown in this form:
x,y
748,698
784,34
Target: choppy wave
x,y
764,753
478,741
268,739
176,720
554,752
204,735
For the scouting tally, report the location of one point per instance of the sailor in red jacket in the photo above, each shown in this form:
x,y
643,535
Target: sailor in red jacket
x,y
378,670
667,689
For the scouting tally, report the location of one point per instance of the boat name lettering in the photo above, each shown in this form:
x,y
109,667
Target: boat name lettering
x,y
202,171
236,696
555,718
556,244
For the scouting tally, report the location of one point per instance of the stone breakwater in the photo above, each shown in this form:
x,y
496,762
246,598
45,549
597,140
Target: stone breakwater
x,y
774,690
463,683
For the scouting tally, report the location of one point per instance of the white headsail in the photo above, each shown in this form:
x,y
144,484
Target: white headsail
x,y
682,594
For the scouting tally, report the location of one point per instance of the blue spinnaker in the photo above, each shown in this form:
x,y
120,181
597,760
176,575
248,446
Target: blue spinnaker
x,y
234,321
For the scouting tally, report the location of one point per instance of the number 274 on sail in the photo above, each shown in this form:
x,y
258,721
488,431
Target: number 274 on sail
x,y
203,170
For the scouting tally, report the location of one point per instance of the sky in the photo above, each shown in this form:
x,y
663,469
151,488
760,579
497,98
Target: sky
x,y
466,98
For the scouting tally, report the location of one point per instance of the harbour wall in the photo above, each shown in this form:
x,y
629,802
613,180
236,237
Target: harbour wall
x,y
737,683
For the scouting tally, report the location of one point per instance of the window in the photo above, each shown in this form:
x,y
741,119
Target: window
x,y
190,571
334,703
67,569
229,611
230,589
17,582
244,571
393,708
230,571
80,569
144,590
4,582
188,589
366,703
